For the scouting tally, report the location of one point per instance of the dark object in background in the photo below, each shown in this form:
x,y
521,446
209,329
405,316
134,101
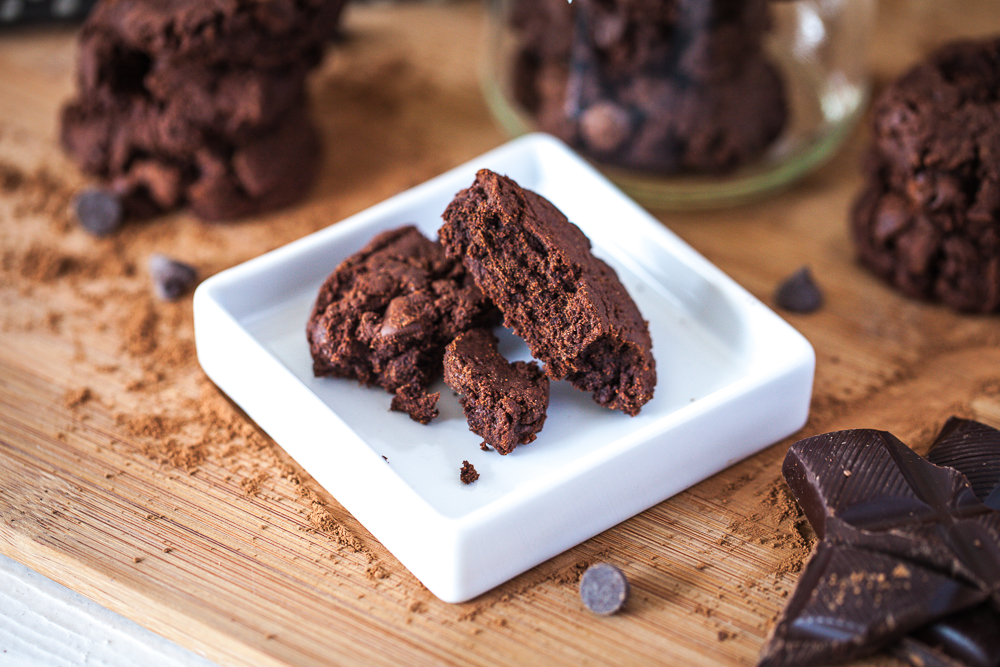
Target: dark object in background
x,y
171,278
34,12
907,549
799,293
468,473
660,85
174,113
928,219
98,210
604,589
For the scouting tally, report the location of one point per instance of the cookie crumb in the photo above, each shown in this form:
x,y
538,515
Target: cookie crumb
x,y
468,474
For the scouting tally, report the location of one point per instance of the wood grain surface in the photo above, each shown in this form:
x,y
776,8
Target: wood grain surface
x,y
125,475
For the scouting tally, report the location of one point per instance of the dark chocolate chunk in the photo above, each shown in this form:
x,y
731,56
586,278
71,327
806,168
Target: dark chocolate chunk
x,y
849,602
171,278
99,211
971,637
895,502
919,654
799,293
504,402
468,474
568,305
881,511
974,450
604,589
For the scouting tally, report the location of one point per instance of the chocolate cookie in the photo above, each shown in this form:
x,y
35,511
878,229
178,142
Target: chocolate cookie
x,y
504,402
676,85
567,304
158,159
200,103
218,32
385,315
928,219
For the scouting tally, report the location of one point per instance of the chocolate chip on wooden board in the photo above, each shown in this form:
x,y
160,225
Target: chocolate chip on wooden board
x,y
604,589
99,211
799,293
171,278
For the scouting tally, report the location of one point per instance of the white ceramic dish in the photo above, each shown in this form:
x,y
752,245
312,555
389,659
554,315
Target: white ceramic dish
x,y
733,378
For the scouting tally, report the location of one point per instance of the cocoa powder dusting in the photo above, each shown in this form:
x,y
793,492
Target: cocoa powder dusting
x,y
74,398
138,329
778,522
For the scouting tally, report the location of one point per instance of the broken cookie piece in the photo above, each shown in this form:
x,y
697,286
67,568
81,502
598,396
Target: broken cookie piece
x,y
504,402
385,315
468,473
417,402
568,305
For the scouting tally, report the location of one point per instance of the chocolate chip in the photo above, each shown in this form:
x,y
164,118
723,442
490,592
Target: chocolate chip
x,y
799,293
605,126
603,589
99,211
170,277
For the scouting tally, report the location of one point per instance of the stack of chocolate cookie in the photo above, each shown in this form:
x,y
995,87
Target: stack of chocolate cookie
x,y
664,85
928,220
199,102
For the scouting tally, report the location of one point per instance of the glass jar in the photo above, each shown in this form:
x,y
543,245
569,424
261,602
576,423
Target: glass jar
x,y
683,103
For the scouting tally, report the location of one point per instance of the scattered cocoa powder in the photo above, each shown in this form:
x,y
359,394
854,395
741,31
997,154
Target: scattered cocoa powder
x,y
41,264
138,328
74,398
778,522
375,571
39,192
251,485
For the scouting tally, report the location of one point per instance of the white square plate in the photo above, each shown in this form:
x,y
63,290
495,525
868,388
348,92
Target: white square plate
x,y
733,378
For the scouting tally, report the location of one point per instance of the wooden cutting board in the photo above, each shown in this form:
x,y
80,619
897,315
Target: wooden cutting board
x,y
127,476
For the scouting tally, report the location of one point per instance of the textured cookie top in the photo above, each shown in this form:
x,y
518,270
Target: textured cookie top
x,y
942,115
928,220
261,32
568,305
504,402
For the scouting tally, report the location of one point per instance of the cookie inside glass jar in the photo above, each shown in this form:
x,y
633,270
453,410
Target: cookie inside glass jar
x,y
683,102
675,85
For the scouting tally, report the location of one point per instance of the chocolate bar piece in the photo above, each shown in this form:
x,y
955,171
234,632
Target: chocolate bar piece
x,y
974,450
866,488
907,546
969,637
851,601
